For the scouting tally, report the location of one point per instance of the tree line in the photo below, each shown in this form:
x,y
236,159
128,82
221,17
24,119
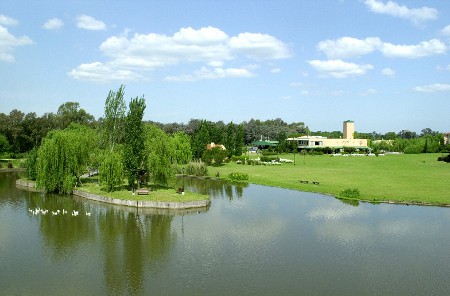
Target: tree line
x,y
20,132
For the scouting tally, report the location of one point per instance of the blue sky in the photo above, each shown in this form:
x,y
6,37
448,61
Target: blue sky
x,y
383,64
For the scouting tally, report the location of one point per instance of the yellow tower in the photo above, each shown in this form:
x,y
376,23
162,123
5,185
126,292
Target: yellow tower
x,y
349,129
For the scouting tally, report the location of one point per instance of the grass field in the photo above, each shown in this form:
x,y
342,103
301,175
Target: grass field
x,y
400,178
156,193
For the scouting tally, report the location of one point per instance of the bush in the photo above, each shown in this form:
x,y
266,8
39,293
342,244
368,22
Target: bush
x,y
236,176
444,158
197,168
413,149
268,152
10,165
350,193
269,159
241,158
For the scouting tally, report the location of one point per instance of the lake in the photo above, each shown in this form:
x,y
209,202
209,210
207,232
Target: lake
x,y
252,240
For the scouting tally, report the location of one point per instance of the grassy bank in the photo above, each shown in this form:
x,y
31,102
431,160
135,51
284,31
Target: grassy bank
x,y
156,193
400,178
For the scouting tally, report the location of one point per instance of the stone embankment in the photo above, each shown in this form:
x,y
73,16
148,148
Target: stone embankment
x,y
124,202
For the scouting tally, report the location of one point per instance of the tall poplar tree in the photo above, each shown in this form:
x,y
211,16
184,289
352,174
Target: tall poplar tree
x,y
114,120
134,146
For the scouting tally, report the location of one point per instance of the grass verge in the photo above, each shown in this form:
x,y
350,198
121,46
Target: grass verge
x,y
415,178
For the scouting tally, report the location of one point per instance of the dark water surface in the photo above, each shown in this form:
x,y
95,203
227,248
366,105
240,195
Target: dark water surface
x,y
252,240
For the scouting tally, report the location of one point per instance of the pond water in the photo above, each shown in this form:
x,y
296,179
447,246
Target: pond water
x,y
252,240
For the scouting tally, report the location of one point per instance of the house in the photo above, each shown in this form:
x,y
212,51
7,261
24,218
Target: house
x,y
213,145
446,138
314,142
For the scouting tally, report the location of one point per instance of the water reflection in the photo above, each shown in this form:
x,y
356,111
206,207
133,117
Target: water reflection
x,y
214,187
252,240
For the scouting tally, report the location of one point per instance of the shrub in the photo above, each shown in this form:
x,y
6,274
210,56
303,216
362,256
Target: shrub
x,y
236,176
197,168
10,165
268,152
269,159
350,193
444,158
413,149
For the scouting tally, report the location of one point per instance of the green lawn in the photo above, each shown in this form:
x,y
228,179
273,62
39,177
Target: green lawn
x,y
157,193
401,178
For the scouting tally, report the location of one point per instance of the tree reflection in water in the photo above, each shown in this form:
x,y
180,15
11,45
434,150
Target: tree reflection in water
x,y
213,187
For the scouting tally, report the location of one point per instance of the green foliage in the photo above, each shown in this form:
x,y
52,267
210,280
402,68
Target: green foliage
x,y
4,144
214,156
350,193
159,150
111,170
134,147
197,168
444,158
70,112
31,163
236,176
201,138
269,159
114,119
182,148
63,157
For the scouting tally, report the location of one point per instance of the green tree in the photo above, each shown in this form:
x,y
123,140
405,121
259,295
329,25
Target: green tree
x,y
160,151
4,144
239,141
70,112
182,148
111,170
214,156
31,164
114,120
134,147
200,139
63,157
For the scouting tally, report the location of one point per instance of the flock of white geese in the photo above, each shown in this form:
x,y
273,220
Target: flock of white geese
x,y
39,211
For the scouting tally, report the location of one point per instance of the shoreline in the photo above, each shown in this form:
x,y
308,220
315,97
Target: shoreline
x,y
31,185
206,203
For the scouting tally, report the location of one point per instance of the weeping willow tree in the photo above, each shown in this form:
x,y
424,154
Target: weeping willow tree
x,y
182,148
111,170
160,152
63,157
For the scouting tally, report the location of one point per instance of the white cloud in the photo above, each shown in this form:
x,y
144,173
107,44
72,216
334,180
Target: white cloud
x,y
415,15
339,68
208,35
216,73
368,92
388,72
208,46
425,48
89,23
446,31
433,88
259,46
9,42
7,21
98,72
275,70
53,24
347,47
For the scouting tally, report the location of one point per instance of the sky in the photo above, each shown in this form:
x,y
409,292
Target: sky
x,y
383,64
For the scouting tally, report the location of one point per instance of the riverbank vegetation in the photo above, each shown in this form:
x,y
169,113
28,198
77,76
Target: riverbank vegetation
x,y
60,149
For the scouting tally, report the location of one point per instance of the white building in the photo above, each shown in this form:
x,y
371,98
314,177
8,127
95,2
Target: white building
x,y
312,142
